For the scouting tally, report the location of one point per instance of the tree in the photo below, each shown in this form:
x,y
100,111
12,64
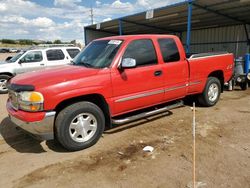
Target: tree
x,y
58,42
25,42
8,41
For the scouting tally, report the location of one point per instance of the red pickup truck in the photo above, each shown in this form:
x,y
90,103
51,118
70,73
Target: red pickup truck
x,y
109,78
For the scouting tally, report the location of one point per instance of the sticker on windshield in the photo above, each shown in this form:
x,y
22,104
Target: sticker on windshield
x,y
115,42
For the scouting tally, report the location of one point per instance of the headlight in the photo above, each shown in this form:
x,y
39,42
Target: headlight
x,y
248,76
30,101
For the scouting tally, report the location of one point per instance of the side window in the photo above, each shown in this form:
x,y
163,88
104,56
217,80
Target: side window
x,y
73,52
169,50
142,51
34,56
53,55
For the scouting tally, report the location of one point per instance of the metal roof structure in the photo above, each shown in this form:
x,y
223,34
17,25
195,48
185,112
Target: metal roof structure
x,y
179,18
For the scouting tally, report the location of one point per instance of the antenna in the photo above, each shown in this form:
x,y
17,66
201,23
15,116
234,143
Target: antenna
x,y
91,15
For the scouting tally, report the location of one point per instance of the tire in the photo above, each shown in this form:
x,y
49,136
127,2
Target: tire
x,y
211,93
79,126
3,81
243,86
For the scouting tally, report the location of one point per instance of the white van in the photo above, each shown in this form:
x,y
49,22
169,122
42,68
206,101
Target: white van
x,y
33,60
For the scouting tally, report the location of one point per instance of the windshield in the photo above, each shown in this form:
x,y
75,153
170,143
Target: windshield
x,y
99,54
15,57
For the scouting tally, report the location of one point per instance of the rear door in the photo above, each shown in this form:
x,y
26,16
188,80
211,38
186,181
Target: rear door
x,y
32,60
175,69
56,57
141,86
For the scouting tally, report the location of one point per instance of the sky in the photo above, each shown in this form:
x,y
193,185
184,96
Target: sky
x,y
63,19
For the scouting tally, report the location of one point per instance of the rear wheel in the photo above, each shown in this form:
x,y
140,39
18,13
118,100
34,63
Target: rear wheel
x,y
79,125
3,81
211,93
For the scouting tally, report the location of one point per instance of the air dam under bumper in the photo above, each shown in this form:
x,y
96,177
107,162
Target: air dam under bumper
x,y
43,130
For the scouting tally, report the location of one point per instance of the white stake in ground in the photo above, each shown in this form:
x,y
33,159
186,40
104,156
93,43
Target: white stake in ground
x,y
194,145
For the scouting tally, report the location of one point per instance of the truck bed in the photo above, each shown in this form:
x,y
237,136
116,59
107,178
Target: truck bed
x,y
208,54
203,64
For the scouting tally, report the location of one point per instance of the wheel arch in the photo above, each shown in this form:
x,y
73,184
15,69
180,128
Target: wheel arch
x,y
220,75
95,98
7,74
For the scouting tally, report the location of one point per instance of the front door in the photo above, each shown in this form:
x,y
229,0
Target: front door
x,y
31,61
138,87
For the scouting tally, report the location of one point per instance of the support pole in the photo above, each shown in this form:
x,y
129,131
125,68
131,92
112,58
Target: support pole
x,y
181,37
194,183
85,35
120,27
247,36
189,22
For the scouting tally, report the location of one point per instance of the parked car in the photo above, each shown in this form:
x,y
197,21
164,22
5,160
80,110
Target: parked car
x,y
4,50
35,59
13,50
108,80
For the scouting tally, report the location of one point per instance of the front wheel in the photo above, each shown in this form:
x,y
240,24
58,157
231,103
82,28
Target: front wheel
x,y
3,81
79,125
211,93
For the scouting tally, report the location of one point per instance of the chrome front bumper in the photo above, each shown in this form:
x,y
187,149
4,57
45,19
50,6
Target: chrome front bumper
x,y
43,130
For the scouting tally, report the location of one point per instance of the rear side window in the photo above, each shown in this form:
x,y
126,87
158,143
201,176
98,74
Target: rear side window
x,y
73,52
142,51
169,50
53,55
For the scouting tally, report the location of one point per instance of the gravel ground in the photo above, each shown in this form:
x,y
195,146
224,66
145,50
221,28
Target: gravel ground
x,y
117,160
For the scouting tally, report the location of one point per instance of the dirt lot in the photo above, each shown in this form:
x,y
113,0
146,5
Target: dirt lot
x,y
117,160
3,56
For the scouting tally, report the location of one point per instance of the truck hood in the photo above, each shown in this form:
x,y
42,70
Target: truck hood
x,y
6,66
52,76
4,63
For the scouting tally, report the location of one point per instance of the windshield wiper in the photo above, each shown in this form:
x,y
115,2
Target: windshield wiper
x,y
87,64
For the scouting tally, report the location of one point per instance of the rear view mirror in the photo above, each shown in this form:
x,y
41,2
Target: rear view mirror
x,y
128,63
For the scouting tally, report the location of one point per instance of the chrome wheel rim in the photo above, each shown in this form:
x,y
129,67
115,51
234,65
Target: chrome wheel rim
x,y
83,127
213,92
3,83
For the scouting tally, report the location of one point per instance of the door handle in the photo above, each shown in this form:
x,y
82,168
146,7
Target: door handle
x,y
158,73
42,64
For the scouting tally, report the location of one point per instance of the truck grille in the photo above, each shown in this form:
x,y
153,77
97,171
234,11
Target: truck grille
x,y
13,99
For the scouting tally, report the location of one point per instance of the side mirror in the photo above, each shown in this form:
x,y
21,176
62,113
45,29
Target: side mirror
x,y
128,63
20,61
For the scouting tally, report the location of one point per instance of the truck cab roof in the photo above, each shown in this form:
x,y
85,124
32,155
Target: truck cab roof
x,y
128,37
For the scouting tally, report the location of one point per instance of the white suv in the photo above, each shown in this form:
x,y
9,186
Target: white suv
x,y
33,60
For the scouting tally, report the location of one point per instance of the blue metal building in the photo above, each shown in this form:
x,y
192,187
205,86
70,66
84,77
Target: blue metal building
x,y
202,25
